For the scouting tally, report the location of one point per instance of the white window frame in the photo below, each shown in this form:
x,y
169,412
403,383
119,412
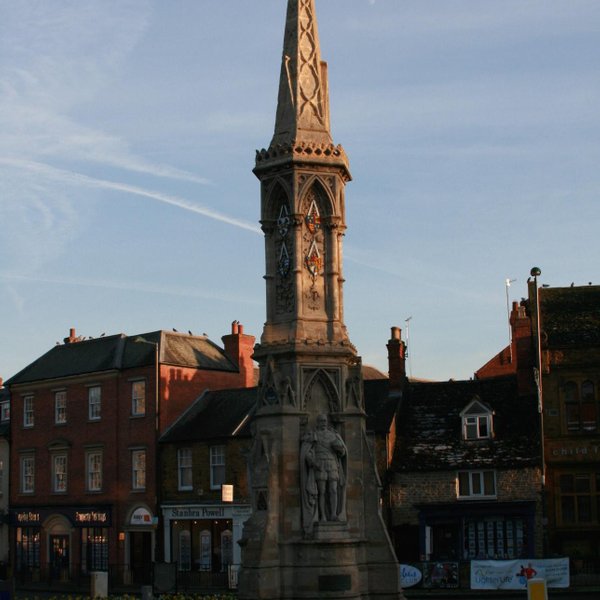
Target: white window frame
x,y
94,462
476,483
94,403
5,411
27,474
59,473
138,401
477,422
217,464
28,415
185,481
60,407
138,470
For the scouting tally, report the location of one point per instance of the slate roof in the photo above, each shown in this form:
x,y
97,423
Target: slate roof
x,y
570,317
214,415
430,427
224,413
380,406
125,352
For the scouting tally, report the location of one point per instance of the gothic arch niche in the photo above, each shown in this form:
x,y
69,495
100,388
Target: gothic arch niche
x,y
315,208
321,395
279,215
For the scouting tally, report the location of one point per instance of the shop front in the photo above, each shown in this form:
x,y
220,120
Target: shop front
x,y
60,544
203,538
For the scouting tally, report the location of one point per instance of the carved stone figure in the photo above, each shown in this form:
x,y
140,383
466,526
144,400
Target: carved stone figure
x,y
323,475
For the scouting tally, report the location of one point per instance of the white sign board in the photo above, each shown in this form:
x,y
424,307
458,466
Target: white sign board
x,y
514,574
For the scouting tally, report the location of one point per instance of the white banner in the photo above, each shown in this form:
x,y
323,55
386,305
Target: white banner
x,y
513,574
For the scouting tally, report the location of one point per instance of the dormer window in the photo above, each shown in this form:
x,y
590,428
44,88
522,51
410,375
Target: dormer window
x,y
477,421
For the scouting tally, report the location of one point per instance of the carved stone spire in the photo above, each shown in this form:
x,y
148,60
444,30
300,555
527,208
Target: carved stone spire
x,y
303,103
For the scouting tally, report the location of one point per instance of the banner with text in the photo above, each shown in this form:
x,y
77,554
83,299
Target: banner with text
x,y
513,574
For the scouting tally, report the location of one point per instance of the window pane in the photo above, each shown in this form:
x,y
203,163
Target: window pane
x,y
567,484
571,392
582,484
138,397
587,391
483,427
584,509
94,403
489,481
476,483
463,484
567,505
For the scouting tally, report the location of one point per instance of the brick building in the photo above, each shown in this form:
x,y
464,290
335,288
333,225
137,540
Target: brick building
x,y
465,480
569,320
86,419
204,450
569,346
4,461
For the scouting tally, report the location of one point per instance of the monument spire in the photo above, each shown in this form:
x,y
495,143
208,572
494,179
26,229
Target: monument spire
x,y
303,103
316,530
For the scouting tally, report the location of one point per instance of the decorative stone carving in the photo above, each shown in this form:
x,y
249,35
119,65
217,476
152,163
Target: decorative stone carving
x,y
323,475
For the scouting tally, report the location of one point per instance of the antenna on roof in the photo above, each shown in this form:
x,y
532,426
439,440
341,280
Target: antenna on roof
x,y
409,352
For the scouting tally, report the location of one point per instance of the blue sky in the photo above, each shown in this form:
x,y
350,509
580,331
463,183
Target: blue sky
x,y
127,138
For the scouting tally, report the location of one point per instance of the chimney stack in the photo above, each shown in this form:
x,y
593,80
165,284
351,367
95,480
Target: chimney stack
x,y
240,348
396,360
72,337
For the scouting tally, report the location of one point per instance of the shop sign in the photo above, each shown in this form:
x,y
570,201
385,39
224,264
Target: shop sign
x,y
409,576
514,574
91,517
79,516
573,451
196,512
27,517
141,516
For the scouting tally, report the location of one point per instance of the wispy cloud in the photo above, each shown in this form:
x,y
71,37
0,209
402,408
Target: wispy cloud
x,y
127,286
80,179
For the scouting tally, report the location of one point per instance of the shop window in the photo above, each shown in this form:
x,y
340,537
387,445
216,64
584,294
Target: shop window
x,y
94,403
138,469
138,398
94,470
59,473
226,549
476,484
27,474
495,538
205,550
184,468
28,548
28,419
579,502
94,549
477,421
60,408
185,550
217,467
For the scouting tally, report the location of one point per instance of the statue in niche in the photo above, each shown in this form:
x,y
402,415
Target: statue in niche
x,y
323,475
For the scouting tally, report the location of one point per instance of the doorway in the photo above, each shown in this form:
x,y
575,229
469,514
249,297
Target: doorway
x,y
59,557
140,557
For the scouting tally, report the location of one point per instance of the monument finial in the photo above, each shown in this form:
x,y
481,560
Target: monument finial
x,y
303,102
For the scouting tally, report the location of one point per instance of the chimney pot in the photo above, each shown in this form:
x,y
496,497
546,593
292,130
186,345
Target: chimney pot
x,y
240,329
396,333
1,382
234,327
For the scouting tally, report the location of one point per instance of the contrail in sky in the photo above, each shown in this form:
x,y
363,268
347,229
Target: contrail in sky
x,y
79,179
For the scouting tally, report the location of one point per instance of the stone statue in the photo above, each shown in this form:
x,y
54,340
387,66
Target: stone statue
x,y
323,475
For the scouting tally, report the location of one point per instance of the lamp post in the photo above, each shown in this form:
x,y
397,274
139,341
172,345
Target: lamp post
x,y
537,373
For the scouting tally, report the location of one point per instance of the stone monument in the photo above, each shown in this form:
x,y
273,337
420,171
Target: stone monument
x,y
316,530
